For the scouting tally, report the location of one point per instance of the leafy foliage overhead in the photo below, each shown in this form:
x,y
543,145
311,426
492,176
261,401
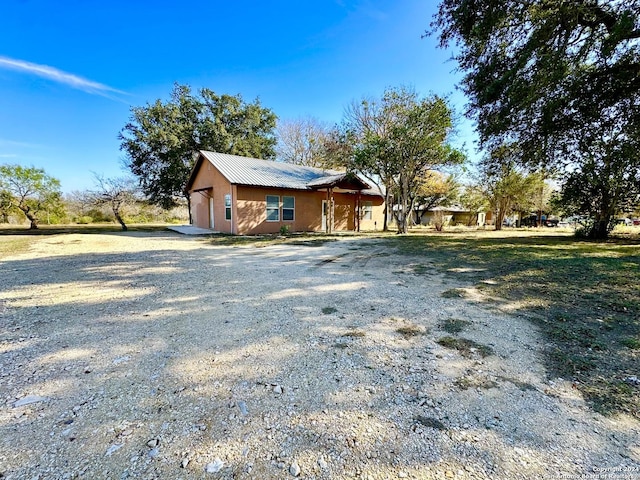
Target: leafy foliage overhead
x,y
539,69
160,138
561,79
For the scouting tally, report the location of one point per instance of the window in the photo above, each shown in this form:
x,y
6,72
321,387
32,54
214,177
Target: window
x,y
367,211
273,208
288,208
227,207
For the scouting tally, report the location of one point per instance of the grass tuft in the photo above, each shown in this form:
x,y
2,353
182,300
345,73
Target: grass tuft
x,y
354,334
409,331
453,293
466,348
454,325
631,342
430,422
465,383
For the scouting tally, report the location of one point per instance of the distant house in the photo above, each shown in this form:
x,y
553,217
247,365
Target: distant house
x,y
247,196
451,215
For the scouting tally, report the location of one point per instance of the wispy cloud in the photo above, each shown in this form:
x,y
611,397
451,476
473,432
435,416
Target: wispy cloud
x,y
8,155
56,75
13,144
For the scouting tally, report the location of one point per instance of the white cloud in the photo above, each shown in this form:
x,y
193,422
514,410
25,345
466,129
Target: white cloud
x,y
51,73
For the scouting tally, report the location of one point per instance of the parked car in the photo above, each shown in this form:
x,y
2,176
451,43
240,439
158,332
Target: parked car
x,y
551,222
574,221
624,221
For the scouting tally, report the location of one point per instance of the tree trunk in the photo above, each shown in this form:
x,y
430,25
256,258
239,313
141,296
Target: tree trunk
x,y
600,228
121,222
385,220
499,218
403,204
30,216
388,209
188,197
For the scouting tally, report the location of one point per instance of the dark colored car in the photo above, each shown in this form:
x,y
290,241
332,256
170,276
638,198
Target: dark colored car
x,y
551,222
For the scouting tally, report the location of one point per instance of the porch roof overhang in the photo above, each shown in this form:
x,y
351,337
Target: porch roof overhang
x,y
343,181
201,189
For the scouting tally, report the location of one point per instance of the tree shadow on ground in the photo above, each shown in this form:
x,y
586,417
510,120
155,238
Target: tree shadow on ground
x,y
154,363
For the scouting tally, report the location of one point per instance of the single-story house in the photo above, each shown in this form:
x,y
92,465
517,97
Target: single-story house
x,y
248,196
451,215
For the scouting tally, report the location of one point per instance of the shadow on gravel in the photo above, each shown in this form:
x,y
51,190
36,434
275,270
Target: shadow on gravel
x,y
155,363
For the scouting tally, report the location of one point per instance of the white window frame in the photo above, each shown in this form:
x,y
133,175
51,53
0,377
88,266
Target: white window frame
x,y
367,211
227,207
276,209
293,209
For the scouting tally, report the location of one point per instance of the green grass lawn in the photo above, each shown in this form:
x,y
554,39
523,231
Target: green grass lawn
x,y
584,296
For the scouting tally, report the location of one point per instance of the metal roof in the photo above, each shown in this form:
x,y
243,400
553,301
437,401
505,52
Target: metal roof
x,y
266,173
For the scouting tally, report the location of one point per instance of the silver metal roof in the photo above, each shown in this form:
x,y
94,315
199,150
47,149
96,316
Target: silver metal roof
x,y
264,173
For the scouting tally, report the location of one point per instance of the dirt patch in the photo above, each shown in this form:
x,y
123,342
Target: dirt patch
x,y
161,356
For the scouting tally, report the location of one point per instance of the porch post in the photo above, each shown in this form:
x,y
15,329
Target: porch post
x,y
330,216
326,214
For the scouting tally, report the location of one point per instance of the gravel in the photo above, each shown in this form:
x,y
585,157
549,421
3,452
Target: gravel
x,y
162,356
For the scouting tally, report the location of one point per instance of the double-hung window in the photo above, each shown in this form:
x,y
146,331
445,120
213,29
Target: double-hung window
x,y
367,210
273,208
227,207
288,208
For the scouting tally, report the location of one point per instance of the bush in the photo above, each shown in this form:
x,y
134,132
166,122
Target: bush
x,y
100,216
84,220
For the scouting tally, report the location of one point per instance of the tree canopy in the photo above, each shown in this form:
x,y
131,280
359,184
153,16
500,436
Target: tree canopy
x,y
161,138
303,141
508,188
31,191
560,78
398,139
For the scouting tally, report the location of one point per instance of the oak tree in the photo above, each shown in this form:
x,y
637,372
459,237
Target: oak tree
x,y
562,79
161,138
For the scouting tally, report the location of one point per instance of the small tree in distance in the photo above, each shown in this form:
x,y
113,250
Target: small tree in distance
x,y
31,191
116,193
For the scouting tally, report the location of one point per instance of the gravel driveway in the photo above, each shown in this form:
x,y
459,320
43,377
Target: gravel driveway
x,y
163,356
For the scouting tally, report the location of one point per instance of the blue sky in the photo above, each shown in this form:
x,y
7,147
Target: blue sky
x,y
70,70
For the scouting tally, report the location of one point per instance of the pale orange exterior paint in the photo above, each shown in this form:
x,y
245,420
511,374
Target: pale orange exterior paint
x,y
249,207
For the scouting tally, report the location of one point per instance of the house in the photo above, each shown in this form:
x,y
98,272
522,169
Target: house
x,y
450,215
247,196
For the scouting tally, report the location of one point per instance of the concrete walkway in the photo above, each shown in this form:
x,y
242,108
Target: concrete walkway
x,y
191,230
